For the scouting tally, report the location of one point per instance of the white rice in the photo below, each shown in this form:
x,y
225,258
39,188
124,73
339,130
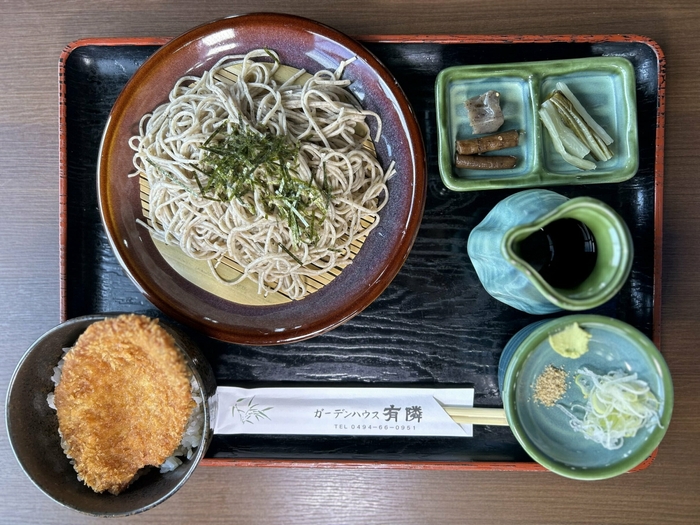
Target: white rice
x,y
191,438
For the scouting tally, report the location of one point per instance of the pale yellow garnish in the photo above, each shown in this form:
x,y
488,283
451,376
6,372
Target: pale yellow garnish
x,y
571,342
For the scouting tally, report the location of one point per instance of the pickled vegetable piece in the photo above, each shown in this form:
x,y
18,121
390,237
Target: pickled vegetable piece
x,y
574,132
495,142
485,162
550,121
485,115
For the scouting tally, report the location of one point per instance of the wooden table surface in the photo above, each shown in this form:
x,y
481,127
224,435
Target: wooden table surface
x,y
32,35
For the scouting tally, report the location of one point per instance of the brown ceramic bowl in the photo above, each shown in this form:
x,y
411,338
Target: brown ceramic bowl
x,y
32,428
303,44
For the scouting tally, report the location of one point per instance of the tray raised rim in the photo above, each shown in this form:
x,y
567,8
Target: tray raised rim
x,y
522,466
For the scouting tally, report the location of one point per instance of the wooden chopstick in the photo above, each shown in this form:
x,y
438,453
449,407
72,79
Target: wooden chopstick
x,y
477,416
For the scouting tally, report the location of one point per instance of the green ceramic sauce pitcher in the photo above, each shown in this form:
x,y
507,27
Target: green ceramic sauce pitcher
x,y
541,252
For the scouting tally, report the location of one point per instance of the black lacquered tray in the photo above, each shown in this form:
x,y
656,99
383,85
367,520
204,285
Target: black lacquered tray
x,y
434,325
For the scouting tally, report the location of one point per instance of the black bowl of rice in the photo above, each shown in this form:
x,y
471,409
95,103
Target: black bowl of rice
x,y
45,456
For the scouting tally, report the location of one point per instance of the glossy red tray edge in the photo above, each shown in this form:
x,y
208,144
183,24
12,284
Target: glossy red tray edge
x,y
403,39
494,466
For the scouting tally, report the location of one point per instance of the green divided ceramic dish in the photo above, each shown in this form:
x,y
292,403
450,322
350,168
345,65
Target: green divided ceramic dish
x,y
604,85
544,432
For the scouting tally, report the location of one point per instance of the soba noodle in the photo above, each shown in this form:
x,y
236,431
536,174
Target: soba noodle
x,y
320,117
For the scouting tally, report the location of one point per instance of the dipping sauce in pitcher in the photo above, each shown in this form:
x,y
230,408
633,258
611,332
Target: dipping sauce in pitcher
x,y
563,252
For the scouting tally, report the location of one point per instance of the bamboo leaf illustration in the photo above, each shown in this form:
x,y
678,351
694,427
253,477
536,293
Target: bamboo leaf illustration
x,y
250,411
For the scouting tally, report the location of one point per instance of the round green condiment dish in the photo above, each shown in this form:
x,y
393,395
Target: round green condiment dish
x,y
544,432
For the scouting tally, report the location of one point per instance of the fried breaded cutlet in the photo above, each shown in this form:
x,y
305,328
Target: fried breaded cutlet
x,y
123,400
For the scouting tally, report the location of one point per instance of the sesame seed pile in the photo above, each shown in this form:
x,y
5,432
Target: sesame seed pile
x,y
550,386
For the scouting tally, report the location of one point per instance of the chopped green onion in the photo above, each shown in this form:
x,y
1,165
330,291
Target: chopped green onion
x,y
618,406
